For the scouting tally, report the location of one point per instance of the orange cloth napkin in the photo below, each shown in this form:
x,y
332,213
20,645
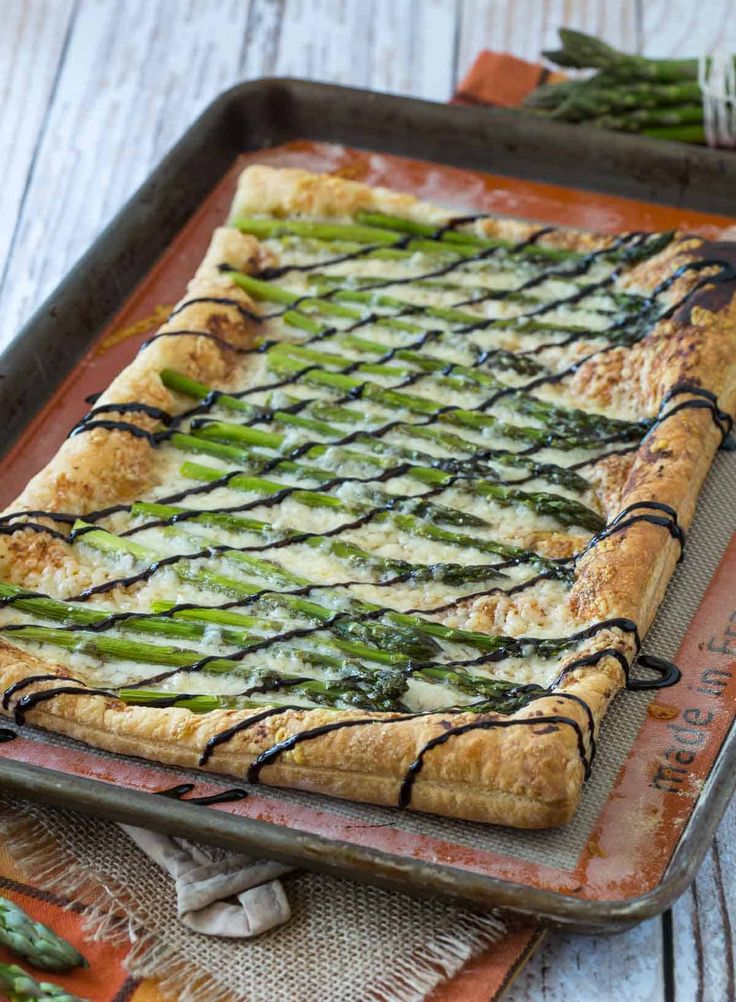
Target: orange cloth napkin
x,y
502,79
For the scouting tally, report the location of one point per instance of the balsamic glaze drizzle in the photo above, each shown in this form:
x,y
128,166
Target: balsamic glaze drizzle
x,y
628,247
223,797
555,720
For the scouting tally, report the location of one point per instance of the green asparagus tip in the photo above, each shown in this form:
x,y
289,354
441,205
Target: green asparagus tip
x,y
19,986
34,941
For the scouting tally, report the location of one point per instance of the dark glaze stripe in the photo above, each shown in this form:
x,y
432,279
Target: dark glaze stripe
x,y
555,720
271,754
242,725
153,438
669,674
626,625
133,407
726,274
10,528
34,699
591,660
228,301
55,516
189,332
705,399
619,524
589,719
223,797
31,680
7,735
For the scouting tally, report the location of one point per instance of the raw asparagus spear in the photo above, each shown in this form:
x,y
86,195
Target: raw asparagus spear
x,y
636,121
582,51
19,986
35,942
576,100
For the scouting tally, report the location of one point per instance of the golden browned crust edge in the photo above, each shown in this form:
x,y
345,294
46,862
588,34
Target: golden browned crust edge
x,y
522,776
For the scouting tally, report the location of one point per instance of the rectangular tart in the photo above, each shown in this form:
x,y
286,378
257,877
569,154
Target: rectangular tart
x,y
384,509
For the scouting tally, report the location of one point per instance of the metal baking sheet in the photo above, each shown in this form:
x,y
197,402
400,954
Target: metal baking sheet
x,y
609,874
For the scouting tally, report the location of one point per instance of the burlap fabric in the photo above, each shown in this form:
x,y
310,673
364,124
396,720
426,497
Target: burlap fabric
x,y
345,942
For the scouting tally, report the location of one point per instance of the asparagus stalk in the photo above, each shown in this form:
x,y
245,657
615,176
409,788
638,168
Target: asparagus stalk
x,y
34,941
117,649
564,510
413,526
636,121
573,421
619,301
459,238
72,614
348,236
268,291
407,640
359,685
484,642
346,552
453,443
677,133
586,426
196,702
220,431
587,99
582,51
381,229
19,986
580,423
497,695
109,543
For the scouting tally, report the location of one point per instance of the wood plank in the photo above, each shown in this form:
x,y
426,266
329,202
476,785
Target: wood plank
x,y
402,47
325,40
135,75
414,48
597,969
687,29
525,27
704,920
32,43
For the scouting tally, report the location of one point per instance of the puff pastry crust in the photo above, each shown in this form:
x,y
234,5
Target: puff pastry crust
x,y
526,776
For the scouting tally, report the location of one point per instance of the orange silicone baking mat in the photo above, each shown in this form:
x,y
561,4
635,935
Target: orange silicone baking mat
x,y
626,840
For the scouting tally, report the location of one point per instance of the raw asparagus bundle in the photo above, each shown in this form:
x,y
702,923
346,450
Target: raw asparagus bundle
x,y
34,941
629,93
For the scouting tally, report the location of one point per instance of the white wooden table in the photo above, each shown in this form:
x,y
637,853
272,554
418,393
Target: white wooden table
x,y
94,92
